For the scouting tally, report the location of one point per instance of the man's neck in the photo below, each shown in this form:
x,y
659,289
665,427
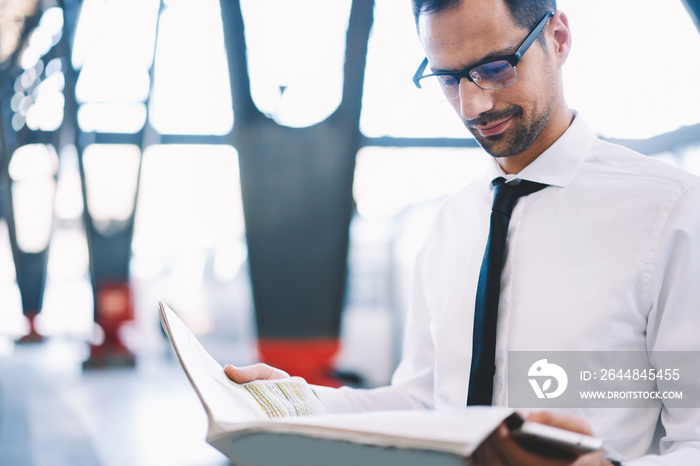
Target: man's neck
x,y
559,122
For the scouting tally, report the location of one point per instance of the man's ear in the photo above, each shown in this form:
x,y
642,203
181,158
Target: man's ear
x,y
561,37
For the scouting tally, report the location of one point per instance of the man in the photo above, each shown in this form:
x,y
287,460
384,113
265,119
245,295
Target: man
x,y
603,257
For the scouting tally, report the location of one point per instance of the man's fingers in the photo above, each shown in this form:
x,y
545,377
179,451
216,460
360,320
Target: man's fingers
x,y
255,372
487,455
504,450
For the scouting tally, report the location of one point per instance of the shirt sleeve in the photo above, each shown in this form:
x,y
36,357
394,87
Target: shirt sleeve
x,y
412,383
673,325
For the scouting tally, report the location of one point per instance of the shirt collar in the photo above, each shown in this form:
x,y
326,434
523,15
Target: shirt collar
x,y
557,165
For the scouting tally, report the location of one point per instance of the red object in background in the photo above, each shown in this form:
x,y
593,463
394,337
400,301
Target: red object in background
x,y
115,307
310,358
33,336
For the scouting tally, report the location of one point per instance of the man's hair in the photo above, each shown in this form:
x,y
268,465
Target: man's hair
x,y
525,13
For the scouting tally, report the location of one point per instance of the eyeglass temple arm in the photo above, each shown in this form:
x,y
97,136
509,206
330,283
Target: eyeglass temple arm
x,y
533,36
419,72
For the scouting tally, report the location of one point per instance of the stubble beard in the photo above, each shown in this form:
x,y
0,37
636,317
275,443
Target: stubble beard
x,y
523,132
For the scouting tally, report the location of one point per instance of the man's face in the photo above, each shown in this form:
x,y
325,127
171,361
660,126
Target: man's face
x,y
504,121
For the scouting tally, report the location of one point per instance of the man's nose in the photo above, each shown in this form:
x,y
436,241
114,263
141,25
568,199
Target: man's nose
x,y
473,100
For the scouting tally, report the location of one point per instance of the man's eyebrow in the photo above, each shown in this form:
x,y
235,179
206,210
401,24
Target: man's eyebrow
x,y
493,55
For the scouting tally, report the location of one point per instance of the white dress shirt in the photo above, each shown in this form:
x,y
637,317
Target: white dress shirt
x,y
606,258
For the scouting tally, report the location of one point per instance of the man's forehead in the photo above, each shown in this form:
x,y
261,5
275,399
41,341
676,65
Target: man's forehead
x,y
458,36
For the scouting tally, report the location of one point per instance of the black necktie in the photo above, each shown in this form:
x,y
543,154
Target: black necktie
x,y
486,309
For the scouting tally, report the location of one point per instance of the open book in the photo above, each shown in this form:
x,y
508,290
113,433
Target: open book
x,y
281,422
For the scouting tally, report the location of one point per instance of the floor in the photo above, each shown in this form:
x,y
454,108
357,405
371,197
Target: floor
x,y
54,413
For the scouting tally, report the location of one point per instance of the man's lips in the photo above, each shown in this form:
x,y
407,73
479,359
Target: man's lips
x,y
496,128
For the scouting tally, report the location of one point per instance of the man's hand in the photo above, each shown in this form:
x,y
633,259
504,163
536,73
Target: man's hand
x,y
500,449
255,372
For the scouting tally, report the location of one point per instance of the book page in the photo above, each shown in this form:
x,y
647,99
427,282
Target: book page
x,y
227,401
459,431
290,397
454,432
223,399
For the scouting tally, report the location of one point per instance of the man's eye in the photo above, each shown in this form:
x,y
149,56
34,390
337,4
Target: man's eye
x,y
495,68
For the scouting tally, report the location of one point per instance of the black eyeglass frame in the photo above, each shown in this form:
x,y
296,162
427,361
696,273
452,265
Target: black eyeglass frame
x,y
513,59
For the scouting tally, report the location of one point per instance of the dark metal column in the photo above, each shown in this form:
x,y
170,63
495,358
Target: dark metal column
x,y
30,266
693,7
297,197
109,248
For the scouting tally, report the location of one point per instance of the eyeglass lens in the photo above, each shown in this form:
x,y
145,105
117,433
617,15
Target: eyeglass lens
x,y
493,75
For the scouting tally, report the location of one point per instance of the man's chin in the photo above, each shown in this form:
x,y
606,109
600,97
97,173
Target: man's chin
x,y
495,146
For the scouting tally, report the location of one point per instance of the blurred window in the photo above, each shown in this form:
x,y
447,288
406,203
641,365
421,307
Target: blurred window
x,y
113,50
191,90
296,52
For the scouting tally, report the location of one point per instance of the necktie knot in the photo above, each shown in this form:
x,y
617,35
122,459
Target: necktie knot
x,y
507,194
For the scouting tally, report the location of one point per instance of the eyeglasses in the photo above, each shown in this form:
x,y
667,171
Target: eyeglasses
x,y
489,74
